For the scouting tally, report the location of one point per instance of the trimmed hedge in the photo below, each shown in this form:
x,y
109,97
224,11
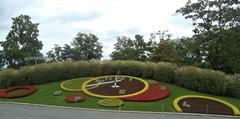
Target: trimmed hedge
x,y
202,80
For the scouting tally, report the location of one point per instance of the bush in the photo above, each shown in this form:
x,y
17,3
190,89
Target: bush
x,y
213,82
164,72
233,89
203,80
188,77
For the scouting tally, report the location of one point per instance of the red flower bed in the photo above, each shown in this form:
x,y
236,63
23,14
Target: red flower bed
x,y
75,98
5,93
155,92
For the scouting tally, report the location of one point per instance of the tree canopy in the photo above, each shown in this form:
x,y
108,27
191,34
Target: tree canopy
x,y
216,25
86,47
128,49
22,41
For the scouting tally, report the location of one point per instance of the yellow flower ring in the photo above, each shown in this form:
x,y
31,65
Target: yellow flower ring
x,y
85,90
176,101
64,87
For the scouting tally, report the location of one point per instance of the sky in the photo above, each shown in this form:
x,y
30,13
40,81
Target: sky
x,y
61,20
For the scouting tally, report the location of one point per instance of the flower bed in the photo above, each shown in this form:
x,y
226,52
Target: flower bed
x,y
74,85
127,86
156,91
110,102
204,104
75,98
5,93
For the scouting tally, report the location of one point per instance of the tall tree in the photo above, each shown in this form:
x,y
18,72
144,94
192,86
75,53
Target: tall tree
x,y
86,47
188,52
55,53
21,41
128,49
67,52
2,62
166,52
123,49
213,20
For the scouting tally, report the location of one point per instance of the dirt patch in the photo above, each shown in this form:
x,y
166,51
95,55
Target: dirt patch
x,y
205,106
126,86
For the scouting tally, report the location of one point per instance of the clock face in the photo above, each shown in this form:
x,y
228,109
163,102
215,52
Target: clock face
x,y
115,86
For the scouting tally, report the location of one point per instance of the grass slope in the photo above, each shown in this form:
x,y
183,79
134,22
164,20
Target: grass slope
x,y
45,95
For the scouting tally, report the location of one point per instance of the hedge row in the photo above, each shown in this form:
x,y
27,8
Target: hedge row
x,y
202,80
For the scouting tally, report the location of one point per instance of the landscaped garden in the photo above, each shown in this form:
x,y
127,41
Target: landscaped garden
x,y
121,92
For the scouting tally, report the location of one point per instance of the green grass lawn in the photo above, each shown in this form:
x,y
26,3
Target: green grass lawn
x,y
45,95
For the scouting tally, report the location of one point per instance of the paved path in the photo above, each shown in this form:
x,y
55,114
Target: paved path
x,y
13,111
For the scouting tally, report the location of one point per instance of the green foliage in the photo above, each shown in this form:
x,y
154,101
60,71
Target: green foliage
x,y
55,54
21,42
67,52
164,72
165,52
216,33
233,89
128,49
188,52
203,80
2,61
86,47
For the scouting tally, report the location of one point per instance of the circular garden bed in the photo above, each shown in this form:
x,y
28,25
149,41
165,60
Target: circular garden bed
x,y
18,91
115,86
205,105
156,91
74,85
75,98
110,102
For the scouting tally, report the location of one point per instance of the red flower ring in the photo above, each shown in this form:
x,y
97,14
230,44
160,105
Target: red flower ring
x,y
5,93
75,98
156,91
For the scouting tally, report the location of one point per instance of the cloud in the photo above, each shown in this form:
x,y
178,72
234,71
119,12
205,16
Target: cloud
x,y
60,20
72,16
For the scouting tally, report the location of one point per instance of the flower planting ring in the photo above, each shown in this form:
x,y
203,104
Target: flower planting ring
x,y
125,87
5,93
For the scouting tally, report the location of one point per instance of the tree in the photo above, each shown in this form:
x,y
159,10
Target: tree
x,y
86,47
188,52
2,62
21,41
166,52
55,53
123,49
128,49
213,20
67,52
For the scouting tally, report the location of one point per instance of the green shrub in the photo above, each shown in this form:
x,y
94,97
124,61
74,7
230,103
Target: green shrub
x,y
233,88
188,77
213,82
7,77
148,70
203,80
164,72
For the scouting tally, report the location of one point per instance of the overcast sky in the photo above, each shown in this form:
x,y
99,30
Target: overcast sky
x,y
60,20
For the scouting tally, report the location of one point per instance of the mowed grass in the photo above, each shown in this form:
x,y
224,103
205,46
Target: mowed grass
x,y
45,95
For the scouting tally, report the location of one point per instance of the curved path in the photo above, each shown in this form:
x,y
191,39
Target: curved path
x,y
16,111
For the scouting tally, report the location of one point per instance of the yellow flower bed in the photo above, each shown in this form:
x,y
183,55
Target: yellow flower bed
x,y
80,81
